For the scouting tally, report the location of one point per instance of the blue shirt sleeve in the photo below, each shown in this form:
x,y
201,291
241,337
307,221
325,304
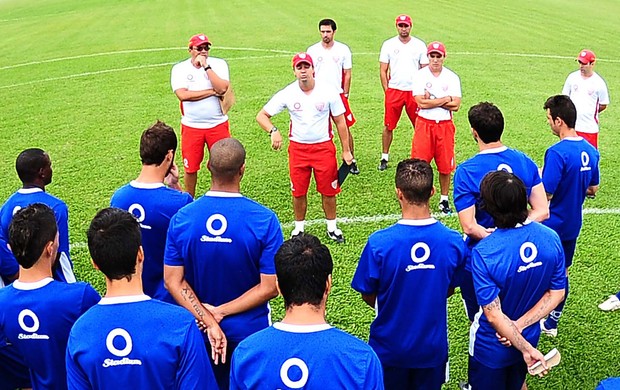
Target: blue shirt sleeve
x,y
552,171
368,272
485,287
76,377
595,171
374,377
172,254
464,197
558,279
274,240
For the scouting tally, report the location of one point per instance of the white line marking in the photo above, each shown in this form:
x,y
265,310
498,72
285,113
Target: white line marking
x,y
382,218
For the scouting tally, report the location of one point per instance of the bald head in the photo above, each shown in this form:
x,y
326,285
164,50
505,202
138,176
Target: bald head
x,y
226,158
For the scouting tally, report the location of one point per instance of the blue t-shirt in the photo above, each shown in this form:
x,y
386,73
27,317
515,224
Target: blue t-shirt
x,y
470,173
410,266
153,204
225,242
518,265
23,198
286,356
571,166
135,342
37,317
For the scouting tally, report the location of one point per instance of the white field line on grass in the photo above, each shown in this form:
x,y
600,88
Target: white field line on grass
x,y
382,218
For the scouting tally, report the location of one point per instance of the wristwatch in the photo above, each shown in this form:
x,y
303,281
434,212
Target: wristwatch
x,y
206,68
273,130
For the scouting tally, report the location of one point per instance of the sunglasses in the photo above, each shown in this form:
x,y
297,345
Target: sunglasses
x,y
202,48
403,25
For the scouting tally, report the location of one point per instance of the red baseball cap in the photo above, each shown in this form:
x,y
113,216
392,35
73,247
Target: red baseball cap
x,y
406,19
436,47
586,56
302,57
198,39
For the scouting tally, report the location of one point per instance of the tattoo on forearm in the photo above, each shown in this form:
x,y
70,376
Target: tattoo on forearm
x,y
189,296
540,313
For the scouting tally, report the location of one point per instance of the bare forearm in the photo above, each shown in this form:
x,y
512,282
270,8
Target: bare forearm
x,y
383,74
346,82
191,96
539,205
542,308
264,121
219,85
185,296
505,327
252,298
427,103
370,299
343,133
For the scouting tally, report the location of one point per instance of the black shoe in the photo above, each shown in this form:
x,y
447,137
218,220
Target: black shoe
x,y
444,208
336,235
382,165
296,233
353,169
464,386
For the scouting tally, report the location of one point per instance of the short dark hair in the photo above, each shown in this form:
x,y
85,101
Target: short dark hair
x,y
504,197
29,163
303,266
328,22
414,177
113,241
226,158
155,143
560,106
487,120
31,229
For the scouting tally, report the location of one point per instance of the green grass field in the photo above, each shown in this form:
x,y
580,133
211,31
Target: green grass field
x,y
83,79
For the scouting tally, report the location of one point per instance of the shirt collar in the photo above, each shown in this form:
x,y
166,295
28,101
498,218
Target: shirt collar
x,y
222,194
31,190
32,285
124,299
301,328
145,186
417,222
499,149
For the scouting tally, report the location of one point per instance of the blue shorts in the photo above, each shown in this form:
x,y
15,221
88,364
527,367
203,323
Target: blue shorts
x,y
481,377
13,371
396,378
569,251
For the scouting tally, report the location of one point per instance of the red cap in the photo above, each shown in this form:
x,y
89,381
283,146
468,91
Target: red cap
x,y
302,57
436,47
198,39
586,56
403,19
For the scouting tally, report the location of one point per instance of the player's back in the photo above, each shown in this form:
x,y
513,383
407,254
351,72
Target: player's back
x,y
137,342
153,204
37,317
286,356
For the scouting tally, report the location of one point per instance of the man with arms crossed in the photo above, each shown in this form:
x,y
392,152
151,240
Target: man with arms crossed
x,y
399,61
437,92
332,64
570,173
589,93
311,148
304,351
153,204
38,311
418,256
219,255
519,277
199,82
129,340
487,126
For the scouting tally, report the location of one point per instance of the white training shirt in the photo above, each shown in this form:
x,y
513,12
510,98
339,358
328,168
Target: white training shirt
x,y
446,84
587,94
404,59
329,64
205,113
309,112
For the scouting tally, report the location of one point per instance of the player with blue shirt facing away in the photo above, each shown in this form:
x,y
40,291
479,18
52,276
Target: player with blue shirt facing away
x,y
406,272
304,351
518,275
129,340
38,311
218,262
153,204
570,173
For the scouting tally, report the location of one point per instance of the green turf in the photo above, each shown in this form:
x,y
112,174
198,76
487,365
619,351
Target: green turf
x,y
88,113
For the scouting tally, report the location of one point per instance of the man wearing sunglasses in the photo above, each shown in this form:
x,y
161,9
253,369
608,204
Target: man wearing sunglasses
x,y
199,82
589,93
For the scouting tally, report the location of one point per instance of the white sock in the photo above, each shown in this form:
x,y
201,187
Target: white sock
x,y
385,156
299,225
331,225
443,197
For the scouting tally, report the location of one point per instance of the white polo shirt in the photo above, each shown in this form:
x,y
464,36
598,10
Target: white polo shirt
x,y
310,113
205,113
446,84
587,94
404,59
330,63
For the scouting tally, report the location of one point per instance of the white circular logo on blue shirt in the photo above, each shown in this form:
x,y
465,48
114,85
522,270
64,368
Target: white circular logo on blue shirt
x,y
16,209
109,342
424,248
585,159
35,321
504,167
140,215
288,382
223,224
528,252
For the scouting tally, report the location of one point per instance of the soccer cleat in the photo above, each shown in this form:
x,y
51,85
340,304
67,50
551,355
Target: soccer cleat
x,y
336,235
464,386
296,233
444,207
612,303
553,332
382,165
354,170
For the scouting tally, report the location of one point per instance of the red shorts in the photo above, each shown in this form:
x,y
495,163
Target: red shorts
x,y
304,158
434,139
592,138
395,100
193,143
348,115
